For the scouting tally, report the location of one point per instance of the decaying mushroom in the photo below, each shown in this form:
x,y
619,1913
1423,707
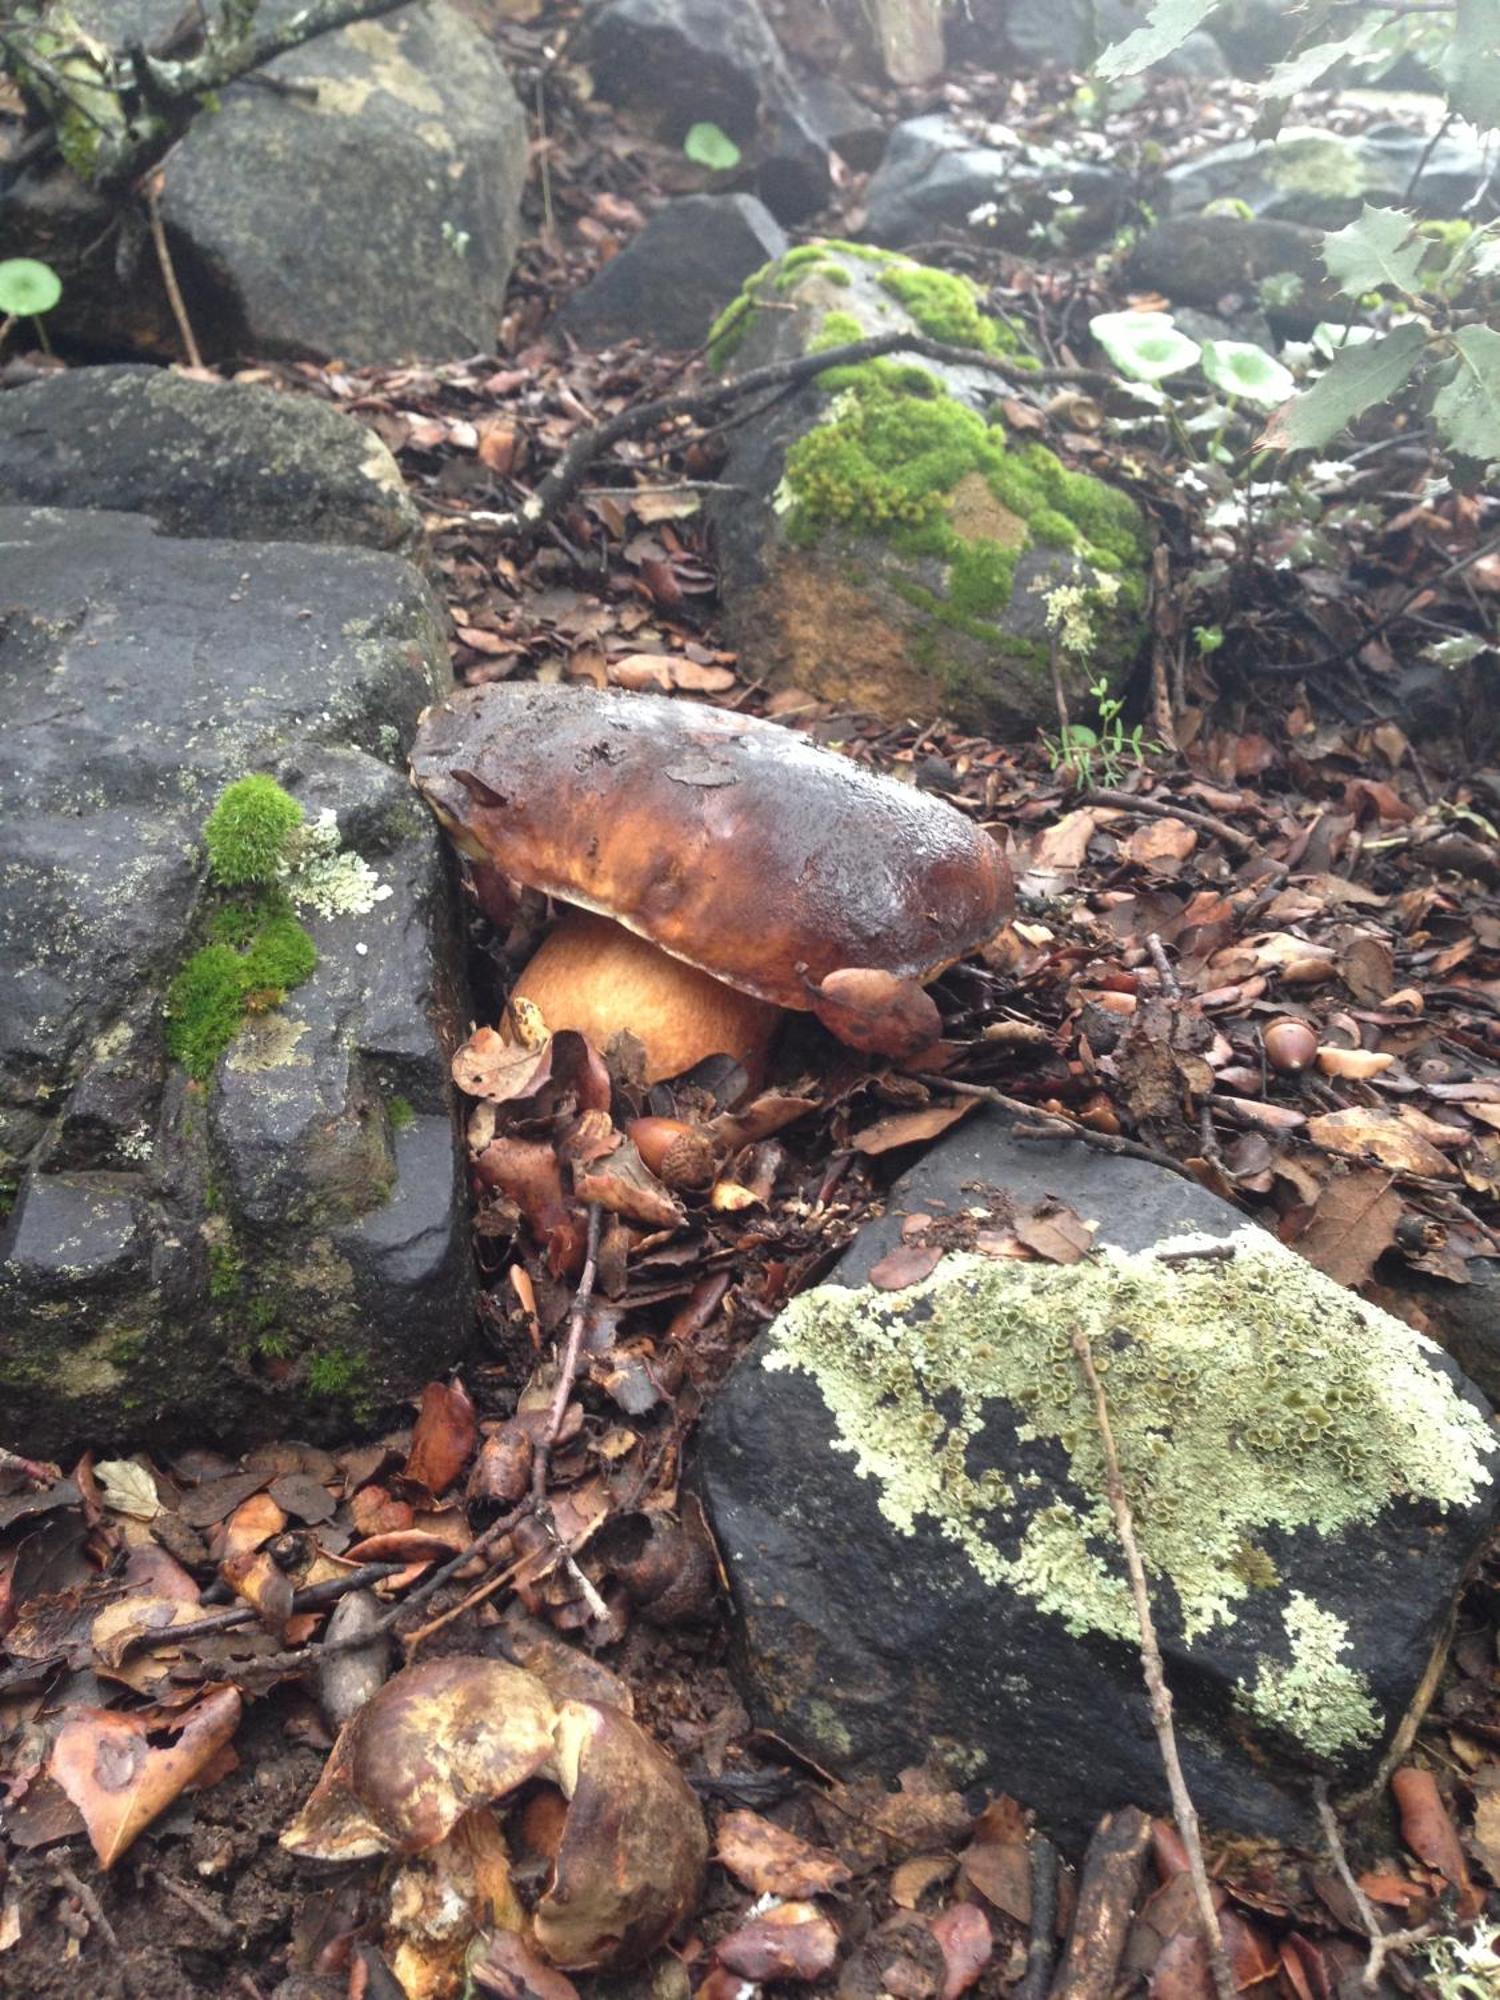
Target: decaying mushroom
x,y
740,868
418,1773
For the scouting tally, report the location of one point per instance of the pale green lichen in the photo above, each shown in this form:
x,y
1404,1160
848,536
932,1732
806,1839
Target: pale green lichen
x,y
1314,1697
1247,1394
318,874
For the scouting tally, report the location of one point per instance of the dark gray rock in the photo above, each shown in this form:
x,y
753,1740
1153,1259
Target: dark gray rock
x,y
288,1242
678,63
935,178
907,1491
1228,265
848,125
372,221
668,284
1065,34
221,459
1321,180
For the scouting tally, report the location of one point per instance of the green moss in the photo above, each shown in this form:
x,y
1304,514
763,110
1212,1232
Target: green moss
x,y
281,955
945,305
727,334
401,1114
338,1373
205,1004
1245,1395
248,830
1054,529
981,578
236,923
226,1271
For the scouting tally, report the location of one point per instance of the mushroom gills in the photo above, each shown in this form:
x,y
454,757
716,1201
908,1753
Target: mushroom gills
x,y
597,977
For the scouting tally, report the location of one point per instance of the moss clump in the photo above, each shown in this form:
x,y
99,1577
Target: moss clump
x,y
205,1005
281,955
945,305
401,1113
248,831
226,1271
335,1372
1245,1396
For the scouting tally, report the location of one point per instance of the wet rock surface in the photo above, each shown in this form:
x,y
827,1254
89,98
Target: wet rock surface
x,y
1321,180
668,284
285,1245
870,1636
221,459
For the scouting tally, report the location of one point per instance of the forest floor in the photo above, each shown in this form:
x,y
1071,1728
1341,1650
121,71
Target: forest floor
x,y
1304,853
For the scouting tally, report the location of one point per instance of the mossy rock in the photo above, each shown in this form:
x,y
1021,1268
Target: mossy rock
x,y
899,546
909,1489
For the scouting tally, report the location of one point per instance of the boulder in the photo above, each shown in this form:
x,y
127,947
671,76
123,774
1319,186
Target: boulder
x,y
907,1487
1065,34
679,63
934,176
370,213
848,126
283,1244
669,283
887,544
1228,265
223,459
1321,180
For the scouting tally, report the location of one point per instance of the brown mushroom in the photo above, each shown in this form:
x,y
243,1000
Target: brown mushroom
x,y
737,847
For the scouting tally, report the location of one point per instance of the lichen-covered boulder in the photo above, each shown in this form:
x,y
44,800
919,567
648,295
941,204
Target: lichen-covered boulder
x,y
359,199
218,1227
222,459
883,540
908,1489
1322,179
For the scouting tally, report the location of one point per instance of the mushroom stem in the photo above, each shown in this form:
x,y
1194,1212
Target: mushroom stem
x,y
595,976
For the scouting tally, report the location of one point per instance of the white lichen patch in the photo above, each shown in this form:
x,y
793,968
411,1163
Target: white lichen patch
x,y
1314,1696
321,875
1246,1393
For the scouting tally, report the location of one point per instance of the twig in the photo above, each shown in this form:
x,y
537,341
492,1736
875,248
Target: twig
x,y
567,1371
315,1598
1166,809
1293,670
93,1909
1163,624
1382,1942
200,1906
1041,1944
1171,985
1107,1890
1183,1809
1048,1125
566,476
169,273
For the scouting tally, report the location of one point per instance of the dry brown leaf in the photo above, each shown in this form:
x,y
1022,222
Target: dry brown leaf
x,y
265,1587
1065,844
1160,840
1353,1224
252,1524
966,1942
444,1437
1486,1834
792,1941
1429,1833
1382,1135
910,1128
772,1862
625,1185
120,1781
488,1066
1056,1233
907,1264
912,1880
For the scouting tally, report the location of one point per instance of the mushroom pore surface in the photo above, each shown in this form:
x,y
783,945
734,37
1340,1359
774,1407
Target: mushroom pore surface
x,y
731,843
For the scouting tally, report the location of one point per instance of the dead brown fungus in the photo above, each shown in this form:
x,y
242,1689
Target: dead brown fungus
x,y
736,847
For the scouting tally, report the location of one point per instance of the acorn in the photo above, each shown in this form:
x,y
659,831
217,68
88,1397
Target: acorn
x,y
1290,1045
680,1155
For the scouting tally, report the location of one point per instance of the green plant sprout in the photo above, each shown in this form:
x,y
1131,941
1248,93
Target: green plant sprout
x,y
709,146
28,289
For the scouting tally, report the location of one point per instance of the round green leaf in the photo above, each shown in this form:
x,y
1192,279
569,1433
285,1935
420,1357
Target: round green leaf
x,y
1145,345
27,287
1240,368
711,147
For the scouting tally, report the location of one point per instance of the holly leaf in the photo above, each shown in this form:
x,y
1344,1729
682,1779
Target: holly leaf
x,y
1303,68
1467,409
1358,378
1472,68
1377,249
1165,28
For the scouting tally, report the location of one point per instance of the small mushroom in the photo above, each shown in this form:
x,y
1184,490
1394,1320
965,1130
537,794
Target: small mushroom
x,y
754,863
445,1741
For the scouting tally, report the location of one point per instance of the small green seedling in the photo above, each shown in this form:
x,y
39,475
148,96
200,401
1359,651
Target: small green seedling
x,y
710,146
28,289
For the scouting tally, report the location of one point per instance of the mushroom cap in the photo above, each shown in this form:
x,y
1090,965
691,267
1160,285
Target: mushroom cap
x,y
732,843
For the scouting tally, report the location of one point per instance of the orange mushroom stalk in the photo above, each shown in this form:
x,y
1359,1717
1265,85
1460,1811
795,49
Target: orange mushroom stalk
x,y
751,859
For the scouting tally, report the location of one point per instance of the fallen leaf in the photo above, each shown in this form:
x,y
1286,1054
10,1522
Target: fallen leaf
x,y
910,1128
1429,1833
265,1587
772,1862
966,1942
912,1880
1055,1232
792,1941
1160,840
1352,1225
120,1781
127,1488
444,1438
906,1265
488,1066
1382,1135
1065,844
252,1524
505,1966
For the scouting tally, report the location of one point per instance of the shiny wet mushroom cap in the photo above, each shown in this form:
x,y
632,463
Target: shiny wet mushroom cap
x,y
732,844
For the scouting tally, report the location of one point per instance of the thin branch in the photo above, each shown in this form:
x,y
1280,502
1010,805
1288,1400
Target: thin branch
x,y
169,272
1048,1125
567,1372
1169,809
1183,1809
1383,1943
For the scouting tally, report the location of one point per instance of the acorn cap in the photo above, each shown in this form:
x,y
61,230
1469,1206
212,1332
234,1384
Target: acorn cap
x,y
733,844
